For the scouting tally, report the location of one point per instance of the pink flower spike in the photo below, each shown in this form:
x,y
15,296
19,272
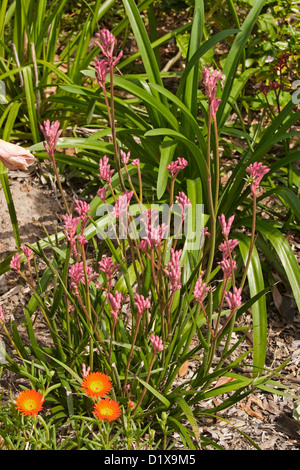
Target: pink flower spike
x,y
82,208
124,157
77,275
226,226
143,245
122,204
105,172
136,163
85,370
155,235
206,232
226,266
232,242
115,302
70,224
70,227
51,133
15,262
101,70
107,43
156,343
256,172
27,251
183,201
102,194
174,272
234,299
141,303
210,81
108,267
176,166
200,289
15,157
214,106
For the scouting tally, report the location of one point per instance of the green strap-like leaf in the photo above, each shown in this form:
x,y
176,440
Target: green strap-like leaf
x,y
259,308
234,55
285,254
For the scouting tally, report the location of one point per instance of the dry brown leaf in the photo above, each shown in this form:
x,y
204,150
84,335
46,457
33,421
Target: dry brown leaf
x,y
257,401
252,399
183,370
250,412
277,297
223,380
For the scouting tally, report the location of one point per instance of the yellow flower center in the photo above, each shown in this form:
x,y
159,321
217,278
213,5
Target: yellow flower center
x,y
96,386
106,411
29,404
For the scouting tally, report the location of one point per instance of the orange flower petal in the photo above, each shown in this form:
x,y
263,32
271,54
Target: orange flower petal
x,y
96,385
107,409
29,402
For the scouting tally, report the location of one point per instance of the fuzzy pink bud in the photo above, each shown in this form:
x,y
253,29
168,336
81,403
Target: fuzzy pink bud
x,y
256,172
70,228
82,208
232,243
107,45
141,303
206,232
122,204
226,226
214,106
15,262
136,163
101,70
183,201
115,302
156,343
234,299
210,81
102,194
105,172
176,166
156,235
200,289
77,275
85,370
108,267
173,272
51,133
27,251
226,267
124,157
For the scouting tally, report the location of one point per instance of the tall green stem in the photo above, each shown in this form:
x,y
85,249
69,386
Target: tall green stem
x,y
210,202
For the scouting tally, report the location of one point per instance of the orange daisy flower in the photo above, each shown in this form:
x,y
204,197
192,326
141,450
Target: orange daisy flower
x,y
107,409
96,385
29,402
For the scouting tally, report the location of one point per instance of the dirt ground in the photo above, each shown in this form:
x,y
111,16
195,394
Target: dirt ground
x,y
265,418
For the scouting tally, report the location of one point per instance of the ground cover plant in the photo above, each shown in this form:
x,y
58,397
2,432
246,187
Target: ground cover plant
x,y
170,241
